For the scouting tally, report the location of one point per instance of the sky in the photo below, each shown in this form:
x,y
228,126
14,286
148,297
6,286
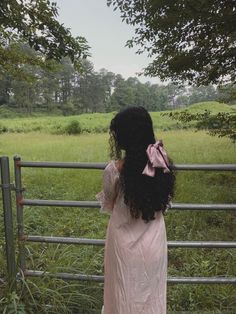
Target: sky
x,y
106,35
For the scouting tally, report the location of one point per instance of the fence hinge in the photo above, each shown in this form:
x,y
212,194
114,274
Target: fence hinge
x,y
7,186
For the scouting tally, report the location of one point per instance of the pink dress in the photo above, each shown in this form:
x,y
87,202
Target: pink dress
x,y
135,255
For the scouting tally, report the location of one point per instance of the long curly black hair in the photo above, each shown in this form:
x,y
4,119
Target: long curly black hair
x,y
131,131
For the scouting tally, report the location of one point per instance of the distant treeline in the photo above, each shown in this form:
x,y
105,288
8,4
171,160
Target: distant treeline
x,y
64,90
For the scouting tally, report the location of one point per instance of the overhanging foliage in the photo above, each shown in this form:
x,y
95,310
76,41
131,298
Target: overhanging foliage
x,y
35,22
222,124
192,41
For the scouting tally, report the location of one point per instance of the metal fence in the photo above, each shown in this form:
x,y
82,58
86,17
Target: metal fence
x,y
21,269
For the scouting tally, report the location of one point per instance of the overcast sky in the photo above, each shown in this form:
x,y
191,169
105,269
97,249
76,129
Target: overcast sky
x,y
106,35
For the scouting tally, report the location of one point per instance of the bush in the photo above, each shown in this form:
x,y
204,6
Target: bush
x,y
3,128
6,112
73,127
100,129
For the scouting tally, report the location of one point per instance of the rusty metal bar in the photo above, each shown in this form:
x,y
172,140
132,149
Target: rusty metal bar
x,y
170,280
45,164
8,222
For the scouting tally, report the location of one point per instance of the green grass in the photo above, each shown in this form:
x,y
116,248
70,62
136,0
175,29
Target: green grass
x,y
90,123
213,106
97,122
56,296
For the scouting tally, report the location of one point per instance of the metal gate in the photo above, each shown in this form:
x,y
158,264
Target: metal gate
x,y
14,270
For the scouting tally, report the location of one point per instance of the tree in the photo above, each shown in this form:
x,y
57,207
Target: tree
x,y
35,23
227,93
143,95
159,97
202,93
49,87
5,89
25,96
188,40
123,95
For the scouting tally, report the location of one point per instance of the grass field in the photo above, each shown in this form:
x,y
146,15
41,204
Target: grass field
x,y
184,146
97,122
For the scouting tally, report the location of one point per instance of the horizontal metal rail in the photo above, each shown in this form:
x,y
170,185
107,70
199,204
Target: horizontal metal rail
x,y
89,204
95,204
69,165
64,276
170,280
171,244
186,206
79,165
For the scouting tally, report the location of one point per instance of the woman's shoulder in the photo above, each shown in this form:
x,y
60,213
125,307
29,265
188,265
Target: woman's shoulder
x,y
115,165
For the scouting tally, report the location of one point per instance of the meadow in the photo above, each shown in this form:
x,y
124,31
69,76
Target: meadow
x,y
98,122
184,146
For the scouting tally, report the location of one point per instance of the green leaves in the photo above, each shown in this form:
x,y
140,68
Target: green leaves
x,y
190,41
222,124
35,23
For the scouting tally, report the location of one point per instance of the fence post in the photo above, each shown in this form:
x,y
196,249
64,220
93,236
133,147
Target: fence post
x,y
19,213
8,222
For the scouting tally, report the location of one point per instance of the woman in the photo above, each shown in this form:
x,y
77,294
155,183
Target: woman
x,y
136,191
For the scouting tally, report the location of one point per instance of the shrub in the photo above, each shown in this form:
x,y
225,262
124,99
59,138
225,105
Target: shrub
x,y
73,127
6,112
100,129
3,128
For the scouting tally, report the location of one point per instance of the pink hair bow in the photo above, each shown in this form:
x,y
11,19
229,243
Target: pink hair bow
x,y
157,158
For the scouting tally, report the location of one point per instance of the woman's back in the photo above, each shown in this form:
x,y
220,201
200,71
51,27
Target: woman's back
x,y
136,192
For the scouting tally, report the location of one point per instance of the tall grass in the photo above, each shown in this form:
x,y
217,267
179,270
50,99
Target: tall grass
x,y
48,295
97,122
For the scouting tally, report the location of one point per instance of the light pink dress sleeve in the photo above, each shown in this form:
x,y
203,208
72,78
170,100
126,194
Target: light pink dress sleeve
x,y
108,195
